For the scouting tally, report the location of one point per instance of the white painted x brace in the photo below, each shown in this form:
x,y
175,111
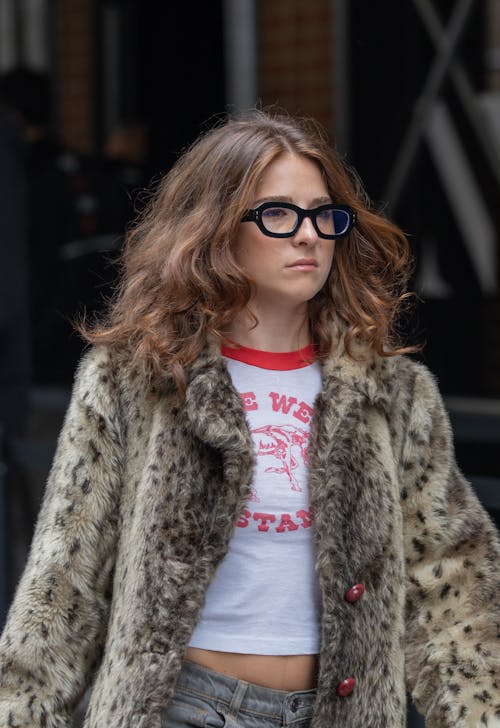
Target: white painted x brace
x,y
432,122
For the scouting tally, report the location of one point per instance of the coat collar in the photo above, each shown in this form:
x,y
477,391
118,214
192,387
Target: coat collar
x,y
214,410
364,372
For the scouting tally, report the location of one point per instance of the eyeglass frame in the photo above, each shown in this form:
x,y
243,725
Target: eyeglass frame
x,y
255,215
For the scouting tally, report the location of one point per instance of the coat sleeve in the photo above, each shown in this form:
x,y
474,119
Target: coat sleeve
x,y
55,628
453,581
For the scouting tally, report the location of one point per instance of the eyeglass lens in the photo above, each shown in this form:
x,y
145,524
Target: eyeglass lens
x,y
283,220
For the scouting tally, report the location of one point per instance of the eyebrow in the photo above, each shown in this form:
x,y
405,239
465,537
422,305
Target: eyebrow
x,y
283,198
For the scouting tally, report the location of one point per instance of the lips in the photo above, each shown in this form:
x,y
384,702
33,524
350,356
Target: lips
x,y
304,263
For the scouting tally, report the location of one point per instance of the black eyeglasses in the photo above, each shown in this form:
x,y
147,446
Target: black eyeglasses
x,y
282,219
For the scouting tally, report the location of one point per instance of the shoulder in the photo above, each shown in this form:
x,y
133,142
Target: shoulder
x,y
417,410
404,375
413,384
108,378
413,392
96,377
386,381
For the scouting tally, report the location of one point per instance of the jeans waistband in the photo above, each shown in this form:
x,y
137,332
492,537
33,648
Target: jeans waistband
x,y
238,695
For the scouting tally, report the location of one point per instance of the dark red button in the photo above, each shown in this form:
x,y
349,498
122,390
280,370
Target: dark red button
x,y
355,593
346,687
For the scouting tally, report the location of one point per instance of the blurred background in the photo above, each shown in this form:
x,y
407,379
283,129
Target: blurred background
x,y
98,98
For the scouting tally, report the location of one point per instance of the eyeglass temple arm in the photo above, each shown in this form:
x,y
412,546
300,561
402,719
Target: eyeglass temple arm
x,y
250,216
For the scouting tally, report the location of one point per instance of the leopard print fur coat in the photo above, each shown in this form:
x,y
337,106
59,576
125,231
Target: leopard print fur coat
x,y
140,505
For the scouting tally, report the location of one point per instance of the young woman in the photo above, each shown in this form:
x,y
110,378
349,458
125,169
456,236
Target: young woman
x,y
254,517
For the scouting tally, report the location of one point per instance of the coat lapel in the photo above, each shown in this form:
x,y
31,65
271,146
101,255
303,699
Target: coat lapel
x,y
216,416
348,481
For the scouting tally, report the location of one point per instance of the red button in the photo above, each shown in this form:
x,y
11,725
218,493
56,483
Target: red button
x,y
346,687
354,593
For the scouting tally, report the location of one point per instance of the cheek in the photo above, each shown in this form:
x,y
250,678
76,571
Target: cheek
x,y
329,262
329,256
248,255
247,247
255,252
332,252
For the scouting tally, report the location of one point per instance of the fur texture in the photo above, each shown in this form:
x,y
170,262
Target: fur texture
x,y
139,509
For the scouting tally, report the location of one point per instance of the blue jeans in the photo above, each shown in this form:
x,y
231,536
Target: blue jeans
x,y
206,699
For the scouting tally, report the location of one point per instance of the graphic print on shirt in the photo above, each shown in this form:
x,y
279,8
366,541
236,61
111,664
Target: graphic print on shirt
x,y
285,443
279,424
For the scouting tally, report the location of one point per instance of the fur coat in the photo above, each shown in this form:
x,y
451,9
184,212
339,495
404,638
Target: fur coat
x,y
139,509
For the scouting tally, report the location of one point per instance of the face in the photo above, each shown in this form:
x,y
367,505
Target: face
x,y
287,272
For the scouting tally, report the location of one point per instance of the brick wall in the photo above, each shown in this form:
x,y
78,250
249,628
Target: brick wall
x,y
75,71
295,63
296,57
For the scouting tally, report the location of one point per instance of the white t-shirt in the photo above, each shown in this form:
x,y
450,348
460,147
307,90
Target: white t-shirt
x,y
264,598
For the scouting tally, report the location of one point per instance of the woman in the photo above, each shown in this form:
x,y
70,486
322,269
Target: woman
x,y
254,517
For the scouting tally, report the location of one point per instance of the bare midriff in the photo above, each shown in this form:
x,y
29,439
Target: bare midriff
x,y
279,672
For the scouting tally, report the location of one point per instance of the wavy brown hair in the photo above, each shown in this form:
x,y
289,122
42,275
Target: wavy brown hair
x,y
180,280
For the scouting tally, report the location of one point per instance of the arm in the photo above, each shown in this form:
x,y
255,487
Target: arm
x,y
453,577
56,625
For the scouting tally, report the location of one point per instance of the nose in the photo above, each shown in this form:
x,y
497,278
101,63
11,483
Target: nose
x,y
306,233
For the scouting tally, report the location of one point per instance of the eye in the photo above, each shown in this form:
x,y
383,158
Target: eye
x,y
275,213
325,215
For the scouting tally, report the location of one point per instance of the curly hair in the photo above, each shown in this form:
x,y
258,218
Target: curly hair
x,y
180,279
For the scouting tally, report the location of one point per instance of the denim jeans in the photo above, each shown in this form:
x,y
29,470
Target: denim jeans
x,y
207,699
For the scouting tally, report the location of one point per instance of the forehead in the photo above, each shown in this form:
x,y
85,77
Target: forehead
x,y
291,175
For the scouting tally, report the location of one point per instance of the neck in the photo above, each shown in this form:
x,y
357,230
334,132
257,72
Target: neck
x,y
279,331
